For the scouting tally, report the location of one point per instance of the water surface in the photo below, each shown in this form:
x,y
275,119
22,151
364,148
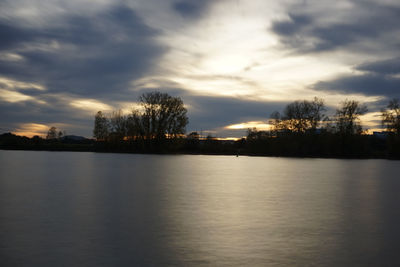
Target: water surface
x,y
88,209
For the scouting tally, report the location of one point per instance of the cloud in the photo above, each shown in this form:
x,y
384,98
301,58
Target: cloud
x,y
61,60
58,112
10,57
50,65
12,97
83,55
367,84
293,25
384,67
208,112
31,129
374,78
10,91
90,105
347,25
260,125
191,8
12,36
18,85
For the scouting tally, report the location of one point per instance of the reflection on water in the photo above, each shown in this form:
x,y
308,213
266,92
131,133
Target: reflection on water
x,y
86,209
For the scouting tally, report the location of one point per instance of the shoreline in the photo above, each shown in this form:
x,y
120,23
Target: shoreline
x,y
200,154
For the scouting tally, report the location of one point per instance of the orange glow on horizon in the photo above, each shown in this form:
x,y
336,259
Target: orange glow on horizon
x,y
260,125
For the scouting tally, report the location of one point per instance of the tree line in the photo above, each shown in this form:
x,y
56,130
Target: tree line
x,y
159,117
303,129
301,117
158,125
305,116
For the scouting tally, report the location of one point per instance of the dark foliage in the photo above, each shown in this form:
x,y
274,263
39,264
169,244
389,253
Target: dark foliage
x,y
159,117
66,143
295,135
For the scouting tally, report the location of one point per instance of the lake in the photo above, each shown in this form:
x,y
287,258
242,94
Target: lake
x,y
93,209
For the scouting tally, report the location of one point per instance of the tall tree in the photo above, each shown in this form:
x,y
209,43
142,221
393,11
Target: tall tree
x,y
299,116
101,126
52,133
134,129
348,117
162,115
391,116
118,125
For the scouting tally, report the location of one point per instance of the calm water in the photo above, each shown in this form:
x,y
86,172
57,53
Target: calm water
x,y
87,209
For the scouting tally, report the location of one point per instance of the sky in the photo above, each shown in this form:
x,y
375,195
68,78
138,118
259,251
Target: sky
x,y
233,62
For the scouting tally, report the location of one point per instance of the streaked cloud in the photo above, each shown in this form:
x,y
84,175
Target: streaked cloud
x,y
190,8
390,66
368,84
359,26
31,129
10,91
10,57
12,96
14,84
260,125
233,62
90,105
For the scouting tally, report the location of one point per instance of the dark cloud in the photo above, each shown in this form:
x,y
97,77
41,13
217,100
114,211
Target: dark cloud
x,y
11,36
385,67
293,26
98,56
86,55
209,112
213,112
368,84
364,24
33,112
378,79
191,8
204,112
94,57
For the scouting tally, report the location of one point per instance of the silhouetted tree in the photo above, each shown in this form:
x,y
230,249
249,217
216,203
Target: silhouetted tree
x,y
162,116
299,116
391,120
118,125
101,126
391,116
254,134
134,129
52,133
60,134
348,117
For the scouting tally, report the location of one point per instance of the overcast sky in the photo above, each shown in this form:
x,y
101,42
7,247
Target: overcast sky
x,y
233,62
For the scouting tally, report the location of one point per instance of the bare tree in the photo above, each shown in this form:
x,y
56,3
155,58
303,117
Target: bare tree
x,y
162,116
118,125
299,116
391,116
134,128
101,126
52,133
348,117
